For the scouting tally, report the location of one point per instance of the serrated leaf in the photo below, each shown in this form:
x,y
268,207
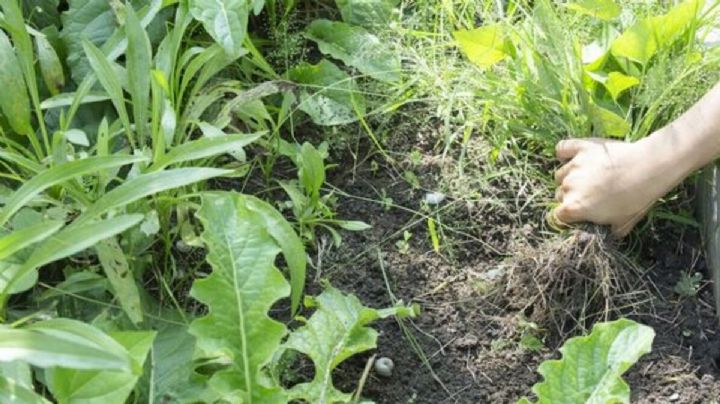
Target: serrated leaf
x,y
290,244
71,386
591,367
225,20
241,289
329,96
356,47
63,342
15,102
368,13
602,9
336,331
484,46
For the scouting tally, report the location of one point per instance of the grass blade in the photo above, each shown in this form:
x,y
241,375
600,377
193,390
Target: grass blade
x,y
65,243
205,147
148,184
139,59
58,175
19,239
110,82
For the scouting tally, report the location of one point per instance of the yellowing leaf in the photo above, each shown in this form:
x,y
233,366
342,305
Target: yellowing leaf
x,y
484,46
602,9
617,83
607,123
637,43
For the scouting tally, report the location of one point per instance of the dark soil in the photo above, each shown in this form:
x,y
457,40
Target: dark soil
x,y
479,344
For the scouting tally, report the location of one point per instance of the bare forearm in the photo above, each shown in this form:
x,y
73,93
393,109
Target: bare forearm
x,y
693,140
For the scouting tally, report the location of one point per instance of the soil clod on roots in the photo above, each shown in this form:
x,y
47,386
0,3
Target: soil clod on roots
x,y
567,284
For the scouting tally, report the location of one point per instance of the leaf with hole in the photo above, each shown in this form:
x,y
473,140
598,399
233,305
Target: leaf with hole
x,y
328,95
356,47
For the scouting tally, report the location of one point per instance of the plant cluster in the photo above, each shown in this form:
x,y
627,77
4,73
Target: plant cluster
x,y
117,118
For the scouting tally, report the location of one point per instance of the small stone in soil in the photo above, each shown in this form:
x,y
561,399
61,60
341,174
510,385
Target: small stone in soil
x,y
384,366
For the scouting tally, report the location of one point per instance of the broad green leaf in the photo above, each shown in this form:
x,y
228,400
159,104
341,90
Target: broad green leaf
x,y
368,13
69,241
329,96
116,268
356,47
139,64
643,39
603,9
617,83
146,185
204,148
50,66
72,386
42,13
336,331
225,20
90,20
171,364
637,43
591,367
65,343
676,21
243,286
15,102
58,175
484,46
110,81
21,238
78,137
607,123
312,170
12,392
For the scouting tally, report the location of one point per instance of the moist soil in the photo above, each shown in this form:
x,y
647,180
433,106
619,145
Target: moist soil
x,y
473,342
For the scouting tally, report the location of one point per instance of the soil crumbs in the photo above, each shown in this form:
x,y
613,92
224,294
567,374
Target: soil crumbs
x,y
481,335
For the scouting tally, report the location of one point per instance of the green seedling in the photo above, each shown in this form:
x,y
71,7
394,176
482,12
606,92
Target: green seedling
x,y
403,245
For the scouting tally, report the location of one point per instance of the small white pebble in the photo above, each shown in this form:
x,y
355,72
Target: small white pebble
x,y
182,246
674,397
713,38
384,366
434,198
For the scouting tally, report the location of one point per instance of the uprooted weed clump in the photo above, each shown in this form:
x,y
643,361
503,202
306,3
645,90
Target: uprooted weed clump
x,y
568,283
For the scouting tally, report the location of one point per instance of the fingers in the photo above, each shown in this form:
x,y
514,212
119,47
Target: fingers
x,y
567,214
567,149
562,172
